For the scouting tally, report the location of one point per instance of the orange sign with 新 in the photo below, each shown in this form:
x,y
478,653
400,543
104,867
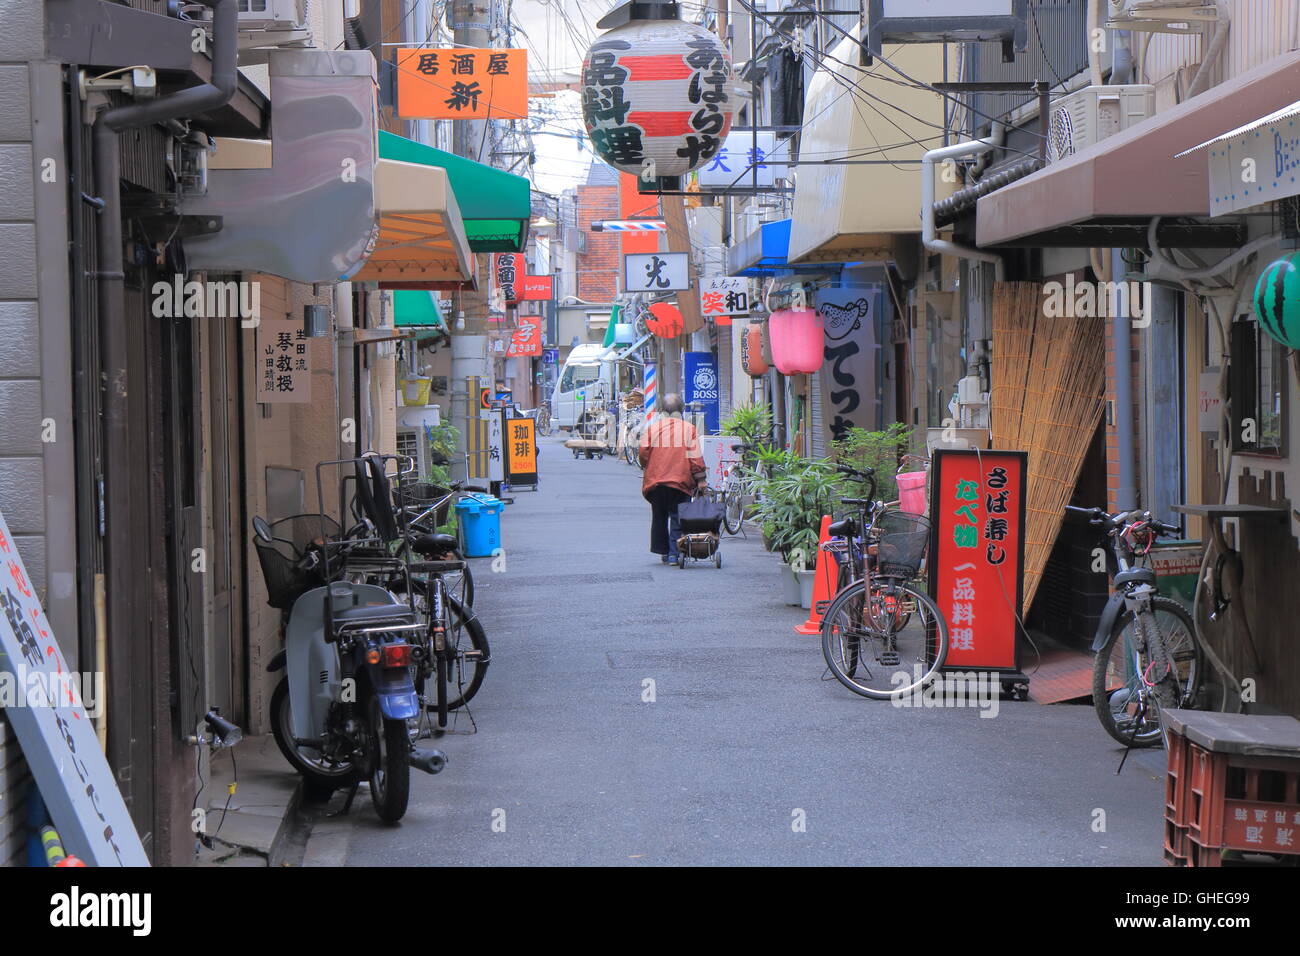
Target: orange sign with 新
x,y
462,83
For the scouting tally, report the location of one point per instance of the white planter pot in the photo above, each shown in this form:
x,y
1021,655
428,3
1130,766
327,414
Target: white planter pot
x,y
806,581
789,585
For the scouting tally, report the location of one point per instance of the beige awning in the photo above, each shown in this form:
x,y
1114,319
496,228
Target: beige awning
x,y
421,241
879,126
1109,189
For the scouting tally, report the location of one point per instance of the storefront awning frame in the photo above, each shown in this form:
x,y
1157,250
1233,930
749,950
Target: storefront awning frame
x,y
1105,195
495,206
421,238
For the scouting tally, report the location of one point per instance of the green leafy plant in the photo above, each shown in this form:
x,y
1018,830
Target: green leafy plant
x,y
793,501
442,440
748,421
878,450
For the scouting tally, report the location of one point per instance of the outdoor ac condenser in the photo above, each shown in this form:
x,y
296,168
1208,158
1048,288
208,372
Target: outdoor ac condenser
x,y
270,14
1091,114
270,23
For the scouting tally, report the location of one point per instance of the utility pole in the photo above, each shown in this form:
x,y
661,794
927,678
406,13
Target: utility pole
x,y
471,24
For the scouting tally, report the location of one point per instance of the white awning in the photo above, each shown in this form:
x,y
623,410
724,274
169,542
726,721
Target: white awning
x,y
858,178
1272,119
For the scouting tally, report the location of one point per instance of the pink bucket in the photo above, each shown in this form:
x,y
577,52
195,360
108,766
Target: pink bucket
x,y
911,492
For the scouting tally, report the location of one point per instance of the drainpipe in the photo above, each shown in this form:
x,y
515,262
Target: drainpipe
x,y
929,232
110,276
998,133
1094,55
1201,82
1126,492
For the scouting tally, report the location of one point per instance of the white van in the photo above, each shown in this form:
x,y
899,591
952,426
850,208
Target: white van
x,y
586,374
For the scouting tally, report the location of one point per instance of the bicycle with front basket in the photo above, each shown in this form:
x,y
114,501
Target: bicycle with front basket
x,y
883,637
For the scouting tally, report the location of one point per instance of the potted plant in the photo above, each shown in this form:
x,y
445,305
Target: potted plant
x,y
749,422
791,509
879,451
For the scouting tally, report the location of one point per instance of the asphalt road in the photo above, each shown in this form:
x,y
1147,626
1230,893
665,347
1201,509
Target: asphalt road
x,y
749,753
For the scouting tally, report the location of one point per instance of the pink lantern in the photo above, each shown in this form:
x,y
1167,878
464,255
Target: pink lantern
x,y
797,338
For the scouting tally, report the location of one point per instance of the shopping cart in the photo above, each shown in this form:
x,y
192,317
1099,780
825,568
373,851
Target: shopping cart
x,y
700,521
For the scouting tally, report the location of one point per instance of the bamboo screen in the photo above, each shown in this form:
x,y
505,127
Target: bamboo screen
x,y
1047,399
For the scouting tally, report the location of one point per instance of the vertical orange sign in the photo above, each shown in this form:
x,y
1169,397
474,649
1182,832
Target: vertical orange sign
x,y
462,83
521,451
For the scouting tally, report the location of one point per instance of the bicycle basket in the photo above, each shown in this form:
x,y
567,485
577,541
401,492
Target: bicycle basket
x,y
304,529
284,583
422,495
903,539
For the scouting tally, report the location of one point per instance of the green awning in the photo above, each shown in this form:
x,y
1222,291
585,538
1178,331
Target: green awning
x,y
614,311
415,308
494,204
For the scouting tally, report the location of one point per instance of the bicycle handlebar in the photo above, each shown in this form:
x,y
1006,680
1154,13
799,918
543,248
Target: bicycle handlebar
x,y
867,477
1119,519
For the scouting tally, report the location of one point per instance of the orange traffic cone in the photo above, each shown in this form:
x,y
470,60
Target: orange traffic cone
x,y
826,575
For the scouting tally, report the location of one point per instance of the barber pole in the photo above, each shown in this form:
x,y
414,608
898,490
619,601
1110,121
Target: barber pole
x,y
651,391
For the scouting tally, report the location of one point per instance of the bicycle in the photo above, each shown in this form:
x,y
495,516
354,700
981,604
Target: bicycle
x,y
880,621
738,488
454,647
543,419
1148,657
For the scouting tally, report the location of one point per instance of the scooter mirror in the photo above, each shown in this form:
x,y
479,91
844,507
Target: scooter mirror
x,y
262,529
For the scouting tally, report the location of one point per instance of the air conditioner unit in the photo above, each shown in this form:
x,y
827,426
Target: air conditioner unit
x,y
1162,16
1091,114
270,15
269,23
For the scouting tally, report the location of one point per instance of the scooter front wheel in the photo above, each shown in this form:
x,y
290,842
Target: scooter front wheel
x,y
318,772
390,765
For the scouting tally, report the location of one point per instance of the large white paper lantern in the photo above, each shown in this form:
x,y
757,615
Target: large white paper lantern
x,y
657,97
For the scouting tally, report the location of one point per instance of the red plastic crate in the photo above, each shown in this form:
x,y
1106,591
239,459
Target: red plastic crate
x,y
1176,848
1176,780
1239,786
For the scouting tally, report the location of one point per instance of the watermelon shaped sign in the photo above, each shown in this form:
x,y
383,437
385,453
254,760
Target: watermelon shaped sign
x,y
1277,301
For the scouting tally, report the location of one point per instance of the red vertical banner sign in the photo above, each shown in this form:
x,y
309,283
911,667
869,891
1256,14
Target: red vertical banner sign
x,y
977,553
633,205
508,271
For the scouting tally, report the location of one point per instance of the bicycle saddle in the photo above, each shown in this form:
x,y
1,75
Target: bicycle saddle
x,y
430,545
1138,575
844,528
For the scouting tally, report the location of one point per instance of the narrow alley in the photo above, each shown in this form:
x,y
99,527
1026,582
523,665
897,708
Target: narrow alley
x,y
745,729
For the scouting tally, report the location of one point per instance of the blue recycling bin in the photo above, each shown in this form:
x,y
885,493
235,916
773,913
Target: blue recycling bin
x,y
479,516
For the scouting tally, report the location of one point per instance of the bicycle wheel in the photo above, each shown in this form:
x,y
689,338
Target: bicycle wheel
x,y
733,508
468,646
1122,669
883,639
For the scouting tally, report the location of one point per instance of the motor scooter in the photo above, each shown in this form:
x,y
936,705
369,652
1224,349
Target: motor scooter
x,y
340,714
